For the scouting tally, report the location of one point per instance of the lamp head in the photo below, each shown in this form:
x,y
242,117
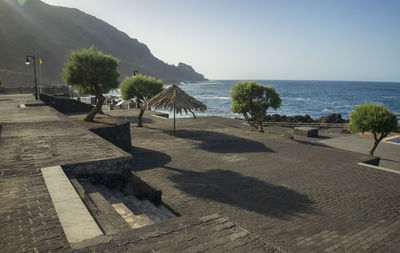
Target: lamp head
x,y
27,62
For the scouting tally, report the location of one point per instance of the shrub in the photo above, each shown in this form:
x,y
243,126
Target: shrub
x,y
91,72
373,118
252,100
140,88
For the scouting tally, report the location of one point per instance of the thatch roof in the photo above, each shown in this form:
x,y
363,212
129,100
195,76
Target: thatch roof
x,y
174,96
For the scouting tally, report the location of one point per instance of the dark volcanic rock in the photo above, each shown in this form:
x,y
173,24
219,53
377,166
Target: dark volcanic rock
x,y
331,118
284,118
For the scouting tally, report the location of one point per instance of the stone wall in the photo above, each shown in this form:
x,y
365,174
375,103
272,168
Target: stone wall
x,y
118,134
65,105
111,172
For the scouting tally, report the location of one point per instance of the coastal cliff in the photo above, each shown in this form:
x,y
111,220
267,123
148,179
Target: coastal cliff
x,y
51,32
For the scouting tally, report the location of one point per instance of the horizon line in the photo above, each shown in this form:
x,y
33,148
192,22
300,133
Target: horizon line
x,y
311,80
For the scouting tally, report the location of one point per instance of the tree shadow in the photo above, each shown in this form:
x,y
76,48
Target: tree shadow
x,y
228,187
312,143
145,159
219,142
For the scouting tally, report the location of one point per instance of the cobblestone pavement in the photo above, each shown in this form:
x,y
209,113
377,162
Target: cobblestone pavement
x,y
37,136
389,153
30,138
296,195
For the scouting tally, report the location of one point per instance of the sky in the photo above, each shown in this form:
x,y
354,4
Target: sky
x,y
260,39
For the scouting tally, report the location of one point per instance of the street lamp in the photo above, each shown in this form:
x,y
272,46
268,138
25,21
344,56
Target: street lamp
x,y
27,62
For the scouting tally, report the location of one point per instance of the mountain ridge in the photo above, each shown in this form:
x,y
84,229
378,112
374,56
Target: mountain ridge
x,y
51,32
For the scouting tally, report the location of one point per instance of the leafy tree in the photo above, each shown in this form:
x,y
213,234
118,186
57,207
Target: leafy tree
x,y
252,100
91,72
140,88
373,118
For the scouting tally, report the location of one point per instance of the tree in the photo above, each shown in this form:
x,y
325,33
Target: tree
x,y
140,88
373,118
252,100
91,72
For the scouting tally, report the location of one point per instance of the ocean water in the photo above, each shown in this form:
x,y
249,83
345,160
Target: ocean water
x,y
315,98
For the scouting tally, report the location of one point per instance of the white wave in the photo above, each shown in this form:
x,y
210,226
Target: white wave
x,y
213,97
326,110
296,98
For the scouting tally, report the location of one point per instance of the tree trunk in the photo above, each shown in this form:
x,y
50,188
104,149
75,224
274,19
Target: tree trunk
x,y
97,108
251,123
376,142
372,149
140,117
101,108
260,127
259,120
194,116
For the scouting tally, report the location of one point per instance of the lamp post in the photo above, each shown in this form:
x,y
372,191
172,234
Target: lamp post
x,y
27,62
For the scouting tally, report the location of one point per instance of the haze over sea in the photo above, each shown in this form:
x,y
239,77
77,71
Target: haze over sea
x,y
315,98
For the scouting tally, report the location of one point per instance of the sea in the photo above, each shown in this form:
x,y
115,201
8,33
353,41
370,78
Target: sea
x,y
315,98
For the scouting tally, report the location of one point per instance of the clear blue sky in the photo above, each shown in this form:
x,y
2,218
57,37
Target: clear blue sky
x,y
298,39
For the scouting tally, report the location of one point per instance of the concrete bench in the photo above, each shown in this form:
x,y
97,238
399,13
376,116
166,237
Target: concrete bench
x,y
306,131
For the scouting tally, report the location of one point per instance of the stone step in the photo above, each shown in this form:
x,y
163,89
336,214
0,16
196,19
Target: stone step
x,y
134,221
137,213
146,207
106,216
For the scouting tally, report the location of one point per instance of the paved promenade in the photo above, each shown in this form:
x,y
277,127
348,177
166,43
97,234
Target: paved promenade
x,y
389,153
37,136
295,195
32,138
236,190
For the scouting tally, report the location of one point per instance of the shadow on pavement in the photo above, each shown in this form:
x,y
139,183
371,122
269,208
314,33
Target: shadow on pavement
x,y
219,142
146,159
228,187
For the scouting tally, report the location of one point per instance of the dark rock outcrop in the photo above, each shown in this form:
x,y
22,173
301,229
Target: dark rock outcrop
x,y
284,118
331,118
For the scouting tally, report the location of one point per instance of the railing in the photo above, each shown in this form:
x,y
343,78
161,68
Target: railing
x,y
298,124
55,90
48,90
17,90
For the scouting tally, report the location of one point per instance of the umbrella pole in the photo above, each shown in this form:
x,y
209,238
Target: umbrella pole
x,y
174,119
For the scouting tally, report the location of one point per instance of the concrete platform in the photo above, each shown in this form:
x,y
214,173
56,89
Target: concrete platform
x,y
76,221
306,131
388,152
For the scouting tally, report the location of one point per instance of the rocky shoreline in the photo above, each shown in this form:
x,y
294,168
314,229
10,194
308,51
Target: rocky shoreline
x,y
331,118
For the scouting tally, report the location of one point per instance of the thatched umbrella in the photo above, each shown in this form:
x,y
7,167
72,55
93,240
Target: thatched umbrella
x,y
174,98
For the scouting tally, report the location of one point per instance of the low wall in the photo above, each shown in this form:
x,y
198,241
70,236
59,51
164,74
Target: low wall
x,y
111,172
16,90
118,134
65,105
